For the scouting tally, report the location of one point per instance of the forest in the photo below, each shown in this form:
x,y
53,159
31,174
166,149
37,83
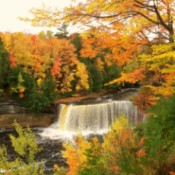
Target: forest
x,y
128,43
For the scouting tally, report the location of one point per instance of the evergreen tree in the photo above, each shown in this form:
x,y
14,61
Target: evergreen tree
x,y
96,78
62,32
4,66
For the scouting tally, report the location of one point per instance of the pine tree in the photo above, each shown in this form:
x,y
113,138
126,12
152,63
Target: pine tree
x,y
4,66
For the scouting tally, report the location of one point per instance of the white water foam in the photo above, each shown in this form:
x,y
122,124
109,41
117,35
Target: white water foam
x,y
89,119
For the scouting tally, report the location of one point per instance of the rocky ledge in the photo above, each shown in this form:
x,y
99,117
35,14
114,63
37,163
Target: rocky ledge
x,y
11,111
26,119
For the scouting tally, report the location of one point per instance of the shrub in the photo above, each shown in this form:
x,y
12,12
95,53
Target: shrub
x,y
26,148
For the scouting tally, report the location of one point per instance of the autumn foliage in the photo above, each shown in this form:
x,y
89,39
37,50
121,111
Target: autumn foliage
x,y
125,43
137,35
125,150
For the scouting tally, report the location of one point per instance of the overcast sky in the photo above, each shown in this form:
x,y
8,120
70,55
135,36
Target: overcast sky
x,y
10,10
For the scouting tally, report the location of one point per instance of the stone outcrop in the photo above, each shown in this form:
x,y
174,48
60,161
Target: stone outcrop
x,y
10,107
26,119
11,111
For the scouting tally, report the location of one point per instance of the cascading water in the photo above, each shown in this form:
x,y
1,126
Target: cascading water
x,y
90,118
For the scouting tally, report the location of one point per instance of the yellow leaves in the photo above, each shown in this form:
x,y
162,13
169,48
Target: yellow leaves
x,y
82,75
165,91
162,48
39,82
161,65
43,17
120,144
22,89
120,123
38,54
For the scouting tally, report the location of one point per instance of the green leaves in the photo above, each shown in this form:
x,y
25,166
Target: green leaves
x,y
26,148
25,144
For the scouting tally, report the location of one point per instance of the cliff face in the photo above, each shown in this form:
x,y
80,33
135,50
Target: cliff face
x,y
11,111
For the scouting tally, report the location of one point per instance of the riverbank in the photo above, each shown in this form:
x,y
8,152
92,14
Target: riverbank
x,y
11,111
26,119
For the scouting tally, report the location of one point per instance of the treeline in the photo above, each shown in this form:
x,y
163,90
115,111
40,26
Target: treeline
x,y
37,69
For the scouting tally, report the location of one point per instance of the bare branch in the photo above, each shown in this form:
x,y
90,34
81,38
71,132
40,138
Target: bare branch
x,y
160,18
146,17
94,16
143,5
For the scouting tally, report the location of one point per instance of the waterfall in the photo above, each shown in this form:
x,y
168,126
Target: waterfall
x,y
91,118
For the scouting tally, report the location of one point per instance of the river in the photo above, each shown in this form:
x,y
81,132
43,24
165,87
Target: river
x,y
86,117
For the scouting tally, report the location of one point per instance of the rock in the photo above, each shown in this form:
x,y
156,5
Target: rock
x,y
11,111
10,107
26,119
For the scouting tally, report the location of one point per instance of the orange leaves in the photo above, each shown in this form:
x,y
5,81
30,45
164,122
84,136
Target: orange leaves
x,y
144,99
140,153
72,160
133,77
56,68
169,78
113,47
89,48
37,55
76,155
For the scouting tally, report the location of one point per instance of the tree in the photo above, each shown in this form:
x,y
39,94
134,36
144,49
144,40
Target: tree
x,y
154,70
4,66
142,15
96,78
75,39
62,32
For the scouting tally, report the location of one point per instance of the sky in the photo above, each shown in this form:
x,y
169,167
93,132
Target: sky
x,y
10,10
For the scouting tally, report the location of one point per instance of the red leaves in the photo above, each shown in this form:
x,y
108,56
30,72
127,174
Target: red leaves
x,y
21,95
12,61
145,99
33,38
